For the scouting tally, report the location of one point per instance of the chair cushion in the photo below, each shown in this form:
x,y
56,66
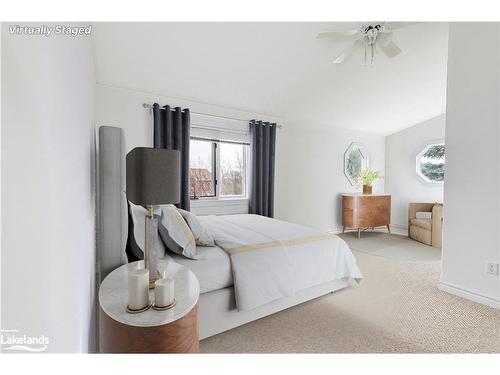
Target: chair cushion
x,y
422,223
421,234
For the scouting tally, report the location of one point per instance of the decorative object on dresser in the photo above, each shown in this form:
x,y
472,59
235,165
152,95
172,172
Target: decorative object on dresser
x,y
356,160
367,178
363,211
153,178
175,330
425,223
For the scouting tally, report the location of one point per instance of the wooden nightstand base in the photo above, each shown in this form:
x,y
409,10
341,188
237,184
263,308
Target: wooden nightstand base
x,y
180,336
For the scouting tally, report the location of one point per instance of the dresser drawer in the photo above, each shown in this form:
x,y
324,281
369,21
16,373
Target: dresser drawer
x,y
366,211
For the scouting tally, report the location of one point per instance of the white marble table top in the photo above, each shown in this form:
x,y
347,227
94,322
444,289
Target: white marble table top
x,y
113,295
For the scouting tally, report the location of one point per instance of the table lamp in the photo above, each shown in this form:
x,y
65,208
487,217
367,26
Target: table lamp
x,y
153,178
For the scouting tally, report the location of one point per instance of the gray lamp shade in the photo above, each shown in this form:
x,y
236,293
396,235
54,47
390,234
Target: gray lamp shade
x,y
153,176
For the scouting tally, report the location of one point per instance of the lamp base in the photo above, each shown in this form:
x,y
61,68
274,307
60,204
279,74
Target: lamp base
x,y
151,247
152,281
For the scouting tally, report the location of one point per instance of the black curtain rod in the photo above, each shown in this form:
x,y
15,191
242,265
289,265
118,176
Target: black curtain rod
x,y
149,106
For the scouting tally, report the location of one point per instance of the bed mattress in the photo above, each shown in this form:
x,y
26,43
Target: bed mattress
x,y
266,259
213,271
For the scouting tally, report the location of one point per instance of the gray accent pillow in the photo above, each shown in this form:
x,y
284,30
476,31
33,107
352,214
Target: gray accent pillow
x,y
201,234
175,232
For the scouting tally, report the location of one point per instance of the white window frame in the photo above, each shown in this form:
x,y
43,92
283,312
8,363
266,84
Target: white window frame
x,y
423,149
246,150
216,165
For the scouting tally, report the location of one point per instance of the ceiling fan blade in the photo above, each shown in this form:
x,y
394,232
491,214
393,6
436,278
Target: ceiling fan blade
x,y
390,49
385,43
400,25
345,54
340,36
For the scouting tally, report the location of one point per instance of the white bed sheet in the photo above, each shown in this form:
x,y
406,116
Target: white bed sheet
x,y
273,259
213,271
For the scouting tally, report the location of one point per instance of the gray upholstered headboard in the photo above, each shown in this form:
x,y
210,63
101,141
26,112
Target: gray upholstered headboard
x,y
112,204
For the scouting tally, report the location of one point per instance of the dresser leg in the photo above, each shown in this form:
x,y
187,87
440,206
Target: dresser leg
x,y
343,229
389,228
359,232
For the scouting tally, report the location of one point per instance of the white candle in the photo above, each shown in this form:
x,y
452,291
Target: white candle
x,y
164,292
138,289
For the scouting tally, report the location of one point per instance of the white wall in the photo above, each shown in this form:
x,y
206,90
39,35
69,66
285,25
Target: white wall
x,y
123,108
471,189
48,250
309,163
401,179
311,178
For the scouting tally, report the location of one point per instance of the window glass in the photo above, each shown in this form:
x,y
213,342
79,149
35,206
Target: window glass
x,y
232,169
431,162
201,169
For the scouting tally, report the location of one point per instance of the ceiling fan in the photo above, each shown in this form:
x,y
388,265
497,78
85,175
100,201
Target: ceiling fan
x,y
370,38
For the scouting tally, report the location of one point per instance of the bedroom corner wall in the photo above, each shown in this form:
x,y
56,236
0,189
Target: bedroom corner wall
x,y
310,163
472,184
401,179
48,199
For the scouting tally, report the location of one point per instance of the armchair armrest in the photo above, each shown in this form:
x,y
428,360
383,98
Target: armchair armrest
x,y
437,225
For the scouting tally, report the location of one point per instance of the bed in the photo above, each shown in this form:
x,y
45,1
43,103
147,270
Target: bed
x,y
259,265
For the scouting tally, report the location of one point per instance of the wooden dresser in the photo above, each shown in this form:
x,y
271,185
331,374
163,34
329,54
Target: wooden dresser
x,y
363,211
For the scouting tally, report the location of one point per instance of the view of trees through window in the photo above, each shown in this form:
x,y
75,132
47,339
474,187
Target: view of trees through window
x,y
232,172
201,169
217,169
430,163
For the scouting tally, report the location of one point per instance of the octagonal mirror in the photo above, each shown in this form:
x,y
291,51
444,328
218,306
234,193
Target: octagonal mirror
x,y
430,163
356,159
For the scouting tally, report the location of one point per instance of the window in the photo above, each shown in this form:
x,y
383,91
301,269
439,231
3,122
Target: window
x,y
201,169
430,163
232,170
218,169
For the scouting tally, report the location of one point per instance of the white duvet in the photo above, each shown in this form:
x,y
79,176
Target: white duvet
x,y
272,259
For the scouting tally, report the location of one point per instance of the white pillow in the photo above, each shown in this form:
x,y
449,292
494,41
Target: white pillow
x,y
138,214
201,234
175,232
423,215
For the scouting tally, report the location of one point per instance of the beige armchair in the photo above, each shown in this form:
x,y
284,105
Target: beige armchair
x,y
428,231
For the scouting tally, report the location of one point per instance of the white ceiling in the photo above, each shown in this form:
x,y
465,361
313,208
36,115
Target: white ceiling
x,y
280,69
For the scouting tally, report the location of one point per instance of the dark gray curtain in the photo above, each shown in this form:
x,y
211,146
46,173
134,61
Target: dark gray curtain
x,y
171,131
263,145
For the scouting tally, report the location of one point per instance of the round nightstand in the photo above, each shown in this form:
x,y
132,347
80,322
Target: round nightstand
x,y
170,331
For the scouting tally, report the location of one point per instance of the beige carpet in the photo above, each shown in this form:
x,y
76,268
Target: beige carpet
x,y
392,246
396,309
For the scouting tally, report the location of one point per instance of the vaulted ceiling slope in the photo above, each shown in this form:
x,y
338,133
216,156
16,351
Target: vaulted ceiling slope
x,y
280,69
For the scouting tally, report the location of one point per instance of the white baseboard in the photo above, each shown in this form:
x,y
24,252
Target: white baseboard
x,y
401,229
400,226
468,294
